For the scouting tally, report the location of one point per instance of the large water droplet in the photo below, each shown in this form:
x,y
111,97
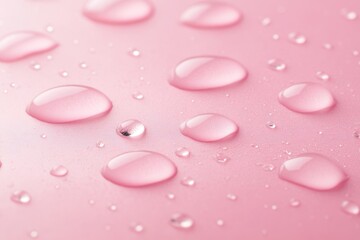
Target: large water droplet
x,y
313,171
350,207
131,129
209,127
210,15
181,221
118,11
137,169
21,197
69,103
59,171
200,73
19,45
307,98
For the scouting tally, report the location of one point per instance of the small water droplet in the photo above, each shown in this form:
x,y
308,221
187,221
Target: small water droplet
x,y
222,158
64,74
271,125
36,66
328,46
231,197
313,171
220,222
265,21
170,196
182,152
322,76
135,52
268,167
113,208
49,29
276,65
207,72
132,129
356,134
307,98
83,65
100,144
21,197
59,171
137,169
350,207
349,15
43,136
274,207
297,38
181,221
294,202
136,227
34,234
188,182
138,96
276,37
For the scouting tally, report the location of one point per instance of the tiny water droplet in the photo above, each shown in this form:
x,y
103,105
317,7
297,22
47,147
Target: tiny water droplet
x,y
43,136
36,66
276,37
265,21
231,197
21,197
136,227
356,134
83,65
211,15
138,96
59,171
181,221
132,129
64,74
220,222
100,144
268,167
188,182
222,158
274,207
322,76
307,98
350,207
170,196
328,46
135,53
182,152
34,234
297,38
313,171
276,65
113,208
271,125
294,202
49,29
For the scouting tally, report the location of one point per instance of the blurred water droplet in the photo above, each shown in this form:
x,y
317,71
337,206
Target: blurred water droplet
x,y
21,197
231,197
170,196
356,134
83,65
349,15
113,208
138,96
136,227
43,136
271,125
294,202
59,171
132,129
265,21
220,222
34,234
297,38
49,29
135,53
322,76
182,152
181,221
350,207
276,65
188,182
276,36
328,46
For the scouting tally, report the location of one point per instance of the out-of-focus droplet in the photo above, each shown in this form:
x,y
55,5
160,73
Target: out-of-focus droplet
x,y
43,136
265,21
34,234
182,152
231,197
21,197
188,182
350,207
276,65
49,29
322,76
83,65
220,222
132,129
328,46
349,15
59,171
356,134
170,196
113,208
136,227
138,169
297,38
181,221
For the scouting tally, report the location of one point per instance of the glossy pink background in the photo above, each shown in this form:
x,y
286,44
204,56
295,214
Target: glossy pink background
x,y
64,212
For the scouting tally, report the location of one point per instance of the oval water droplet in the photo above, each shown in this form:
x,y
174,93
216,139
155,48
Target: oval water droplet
x,y
313,171
19,45
118,11
181,221
182,152
350,207
307,98
131,129
200,73
21,197
209,127
211,15
188,182
59,171
276,65
70,103
137,169
297,38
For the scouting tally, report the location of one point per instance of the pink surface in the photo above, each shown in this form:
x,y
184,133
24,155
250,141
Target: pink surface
x,y
77,206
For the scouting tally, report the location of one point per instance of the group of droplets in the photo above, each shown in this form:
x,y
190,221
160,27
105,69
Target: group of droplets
x,y
71,103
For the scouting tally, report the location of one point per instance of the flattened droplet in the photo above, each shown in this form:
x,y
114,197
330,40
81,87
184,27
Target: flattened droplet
x,y
69,103
307,98
211,15
118,11
313,171
209,127
200,73
138,169
19,45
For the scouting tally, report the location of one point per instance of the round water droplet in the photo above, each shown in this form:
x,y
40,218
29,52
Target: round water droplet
x,y
200,73
170,196
21,197
209,127
276,65
356,134
138,96
294,202
64,74
313,171
138,228
222,158
182,152
211,15
131,129
113,208
188,182
297,38
349,15
271,125
83,65
268,167
265,21
100,144
328,46
43,136
322,76
135,53
181,221
69,103
49,29
34,234
350,207
231,197
19,45
36,66
118,11
59,171
220,222
307,98
137,169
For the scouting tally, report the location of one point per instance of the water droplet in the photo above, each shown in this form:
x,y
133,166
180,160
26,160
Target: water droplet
x,y
328,46
274,207
138,96
118,11
322,76
34,234
222,158
307,98
220,222
271,125
349,15
36,66
49,29
181,221
276,65
138,228
276,36
209,128
131,129
100,144
188,182
356,134
268,167
113,208
64,74
200,73
170,196
135,53
21,197
59,171
265,21
70,103
211,15
182,152
231,197
350,207
297,38
137,169
43,136
83,65
313,171
19,45
294,202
